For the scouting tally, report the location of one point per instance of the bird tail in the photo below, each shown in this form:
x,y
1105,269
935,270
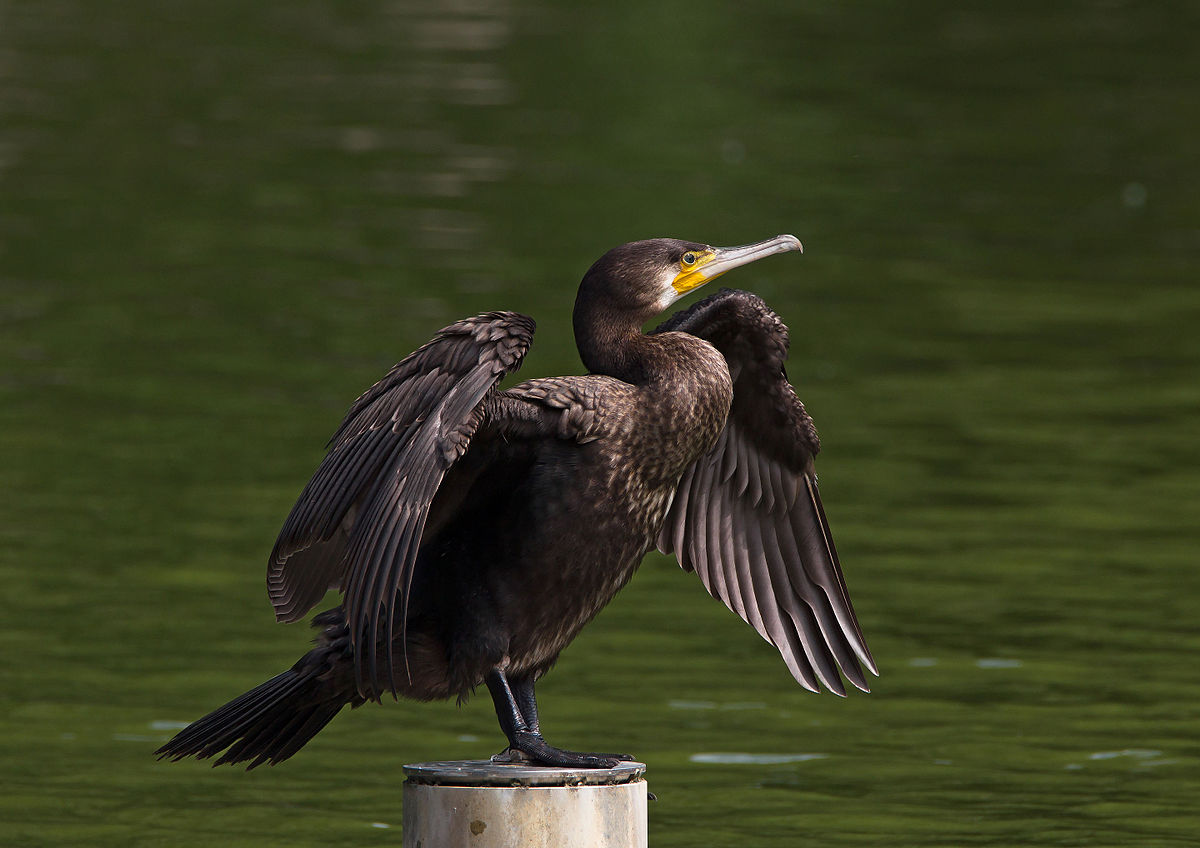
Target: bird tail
x,y
273,720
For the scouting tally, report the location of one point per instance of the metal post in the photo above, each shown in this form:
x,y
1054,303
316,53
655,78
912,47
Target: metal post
x,y
481,804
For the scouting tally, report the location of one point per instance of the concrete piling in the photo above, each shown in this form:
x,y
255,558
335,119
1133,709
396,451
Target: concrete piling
x,y
481,804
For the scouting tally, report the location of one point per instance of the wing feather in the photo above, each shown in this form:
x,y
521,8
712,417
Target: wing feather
x,y
724,566
737,548
697,540
776,629
785,601
747,516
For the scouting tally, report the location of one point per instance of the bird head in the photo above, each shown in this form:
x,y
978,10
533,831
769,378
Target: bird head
x,y
642,278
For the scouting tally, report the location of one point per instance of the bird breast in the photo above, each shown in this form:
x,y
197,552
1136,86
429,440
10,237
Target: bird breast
x,y
673,420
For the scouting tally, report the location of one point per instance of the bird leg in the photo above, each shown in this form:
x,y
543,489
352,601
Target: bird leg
x,y
522,690
516,708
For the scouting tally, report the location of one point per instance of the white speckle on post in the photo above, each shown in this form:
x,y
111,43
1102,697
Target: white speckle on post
x,y
480,804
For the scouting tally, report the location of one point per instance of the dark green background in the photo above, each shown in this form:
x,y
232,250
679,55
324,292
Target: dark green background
x,y
220,221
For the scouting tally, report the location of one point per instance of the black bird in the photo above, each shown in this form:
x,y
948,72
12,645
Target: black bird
x,y
473,532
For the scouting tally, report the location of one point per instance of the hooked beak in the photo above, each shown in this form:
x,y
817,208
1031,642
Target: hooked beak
x,y
715,261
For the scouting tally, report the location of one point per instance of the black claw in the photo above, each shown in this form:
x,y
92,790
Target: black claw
x,y
532,748
511,756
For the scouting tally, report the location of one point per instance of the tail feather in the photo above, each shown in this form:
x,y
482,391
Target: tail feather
x,y
265,725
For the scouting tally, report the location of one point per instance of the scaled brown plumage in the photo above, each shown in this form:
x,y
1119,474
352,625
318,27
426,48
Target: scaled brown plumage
x,y
473,532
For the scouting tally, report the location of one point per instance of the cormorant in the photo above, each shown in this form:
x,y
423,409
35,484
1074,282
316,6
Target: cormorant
x,y
473,532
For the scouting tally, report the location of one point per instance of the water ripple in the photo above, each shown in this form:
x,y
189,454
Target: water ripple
x,y
754,759
1136,753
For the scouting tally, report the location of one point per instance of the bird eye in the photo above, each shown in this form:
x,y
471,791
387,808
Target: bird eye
x,y
689,259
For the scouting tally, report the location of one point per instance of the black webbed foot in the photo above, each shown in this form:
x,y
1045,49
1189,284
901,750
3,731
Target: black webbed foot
x,y
516,708
529,747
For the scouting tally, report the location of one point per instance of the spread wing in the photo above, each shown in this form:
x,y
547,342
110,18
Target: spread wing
x,y
358,523
747,516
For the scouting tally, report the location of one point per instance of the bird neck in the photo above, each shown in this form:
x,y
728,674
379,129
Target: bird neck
x,y
613,344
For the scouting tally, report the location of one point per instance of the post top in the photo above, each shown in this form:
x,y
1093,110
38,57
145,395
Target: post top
x,y
487,773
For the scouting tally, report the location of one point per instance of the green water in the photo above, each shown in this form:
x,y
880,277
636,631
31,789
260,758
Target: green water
x,y
220,221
